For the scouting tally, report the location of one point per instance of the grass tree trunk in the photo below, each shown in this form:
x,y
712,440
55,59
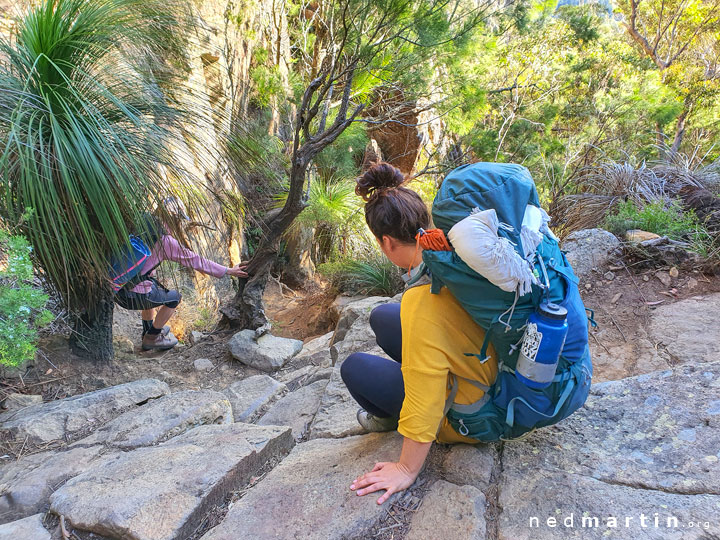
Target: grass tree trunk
x,y
92,336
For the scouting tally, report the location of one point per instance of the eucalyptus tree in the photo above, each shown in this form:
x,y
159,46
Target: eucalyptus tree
x,y
86,113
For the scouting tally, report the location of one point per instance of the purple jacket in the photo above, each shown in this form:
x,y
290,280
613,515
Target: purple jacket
x,y
169,249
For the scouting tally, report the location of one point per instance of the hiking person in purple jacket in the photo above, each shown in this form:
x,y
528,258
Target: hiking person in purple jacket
x,y
150,294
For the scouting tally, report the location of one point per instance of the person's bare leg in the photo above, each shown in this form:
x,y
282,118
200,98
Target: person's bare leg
x,y
147,314
163,316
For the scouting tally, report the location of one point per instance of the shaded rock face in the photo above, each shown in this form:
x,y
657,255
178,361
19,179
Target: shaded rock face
x,y
297,409
588,249
63,419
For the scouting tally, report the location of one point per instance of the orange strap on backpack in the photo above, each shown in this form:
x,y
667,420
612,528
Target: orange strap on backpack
x,y
434,240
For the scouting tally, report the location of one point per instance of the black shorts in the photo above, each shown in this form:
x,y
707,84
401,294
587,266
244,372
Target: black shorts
x,y
158,296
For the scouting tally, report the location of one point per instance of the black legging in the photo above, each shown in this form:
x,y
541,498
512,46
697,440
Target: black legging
x,y
377,383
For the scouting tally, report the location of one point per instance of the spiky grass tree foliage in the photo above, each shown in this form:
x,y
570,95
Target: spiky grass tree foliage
x,y
85,115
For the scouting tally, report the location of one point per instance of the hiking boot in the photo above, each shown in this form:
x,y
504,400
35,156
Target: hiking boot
x,y
159,342
165,331
374,423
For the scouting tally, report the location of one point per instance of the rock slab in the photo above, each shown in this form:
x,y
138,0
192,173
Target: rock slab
x,y
162,419
297,409
164,492
472,465
684,329
266,353
17,401
250,395
337,415
29,528
457,512
64,418
643,445
310,490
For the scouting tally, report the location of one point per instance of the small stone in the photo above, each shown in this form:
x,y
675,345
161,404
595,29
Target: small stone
x,y
589,248
123,345
203,364
664,278
646,278
609,276
616,298
599,283
691,283
266,353
588,286
196,337
674,272
17,401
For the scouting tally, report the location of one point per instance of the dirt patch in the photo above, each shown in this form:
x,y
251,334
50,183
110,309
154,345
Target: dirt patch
x,y
300,314
623,300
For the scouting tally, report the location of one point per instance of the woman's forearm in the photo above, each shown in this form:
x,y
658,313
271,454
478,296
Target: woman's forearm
x,y
413,455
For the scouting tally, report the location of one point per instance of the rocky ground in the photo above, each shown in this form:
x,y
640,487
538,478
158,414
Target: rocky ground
x,y
263,443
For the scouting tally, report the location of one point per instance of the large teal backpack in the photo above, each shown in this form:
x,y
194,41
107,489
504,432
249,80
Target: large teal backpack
x,y
509,408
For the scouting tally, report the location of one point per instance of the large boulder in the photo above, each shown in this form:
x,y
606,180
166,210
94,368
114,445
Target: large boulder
x,y
266,353
353,332
164,492
71,417
308,495
588,249
250,395
643,446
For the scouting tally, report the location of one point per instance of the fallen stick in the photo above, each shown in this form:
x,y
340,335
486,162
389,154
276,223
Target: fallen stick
x,y
65,534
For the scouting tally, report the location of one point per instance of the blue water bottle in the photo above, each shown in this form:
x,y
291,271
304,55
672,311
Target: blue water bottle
x,y
542,343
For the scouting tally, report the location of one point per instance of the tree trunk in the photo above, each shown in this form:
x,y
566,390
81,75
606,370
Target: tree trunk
x,y
679,131
92,332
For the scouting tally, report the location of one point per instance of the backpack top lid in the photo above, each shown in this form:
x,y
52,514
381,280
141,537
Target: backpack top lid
x,y
506,187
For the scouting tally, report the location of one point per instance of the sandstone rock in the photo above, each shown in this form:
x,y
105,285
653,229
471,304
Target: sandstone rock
x,y
29,528
267,353
123,345
589,248
457,511
336,416
196,337
687,330
17,401
250,395
162,419
469,464
164,492
306,375
26,485
353,332
340,303
636,236
67,417
310,490
647,444
315,352
297,409
663,277
203,364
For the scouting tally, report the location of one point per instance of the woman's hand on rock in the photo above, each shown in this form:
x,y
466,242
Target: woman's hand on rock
x,y
238,270
392,477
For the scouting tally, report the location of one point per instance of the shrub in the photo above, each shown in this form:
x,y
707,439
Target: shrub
x,y
373,275
22,306
656,217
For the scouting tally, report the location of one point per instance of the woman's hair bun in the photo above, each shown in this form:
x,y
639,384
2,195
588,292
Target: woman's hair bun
x,y
378,179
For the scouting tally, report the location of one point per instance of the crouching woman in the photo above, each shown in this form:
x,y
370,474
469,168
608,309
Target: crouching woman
x,y
425,337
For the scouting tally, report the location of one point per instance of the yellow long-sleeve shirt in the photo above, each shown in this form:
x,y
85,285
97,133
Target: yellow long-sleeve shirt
x,y
436,332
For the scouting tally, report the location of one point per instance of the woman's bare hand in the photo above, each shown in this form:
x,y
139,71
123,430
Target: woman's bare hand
x,y
392,477
238,271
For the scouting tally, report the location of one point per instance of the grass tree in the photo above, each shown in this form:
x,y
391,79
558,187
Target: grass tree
x,y
85,118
